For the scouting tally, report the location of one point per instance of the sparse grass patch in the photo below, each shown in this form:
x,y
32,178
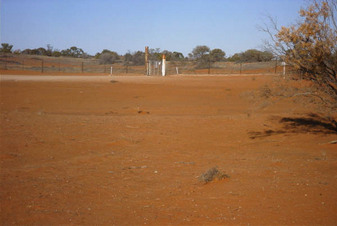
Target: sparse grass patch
x,y
265,91
212,174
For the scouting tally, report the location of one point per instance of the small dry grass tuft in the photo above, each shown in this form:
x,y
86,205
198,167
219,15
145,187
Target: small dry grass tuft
x,y
265,91
212,174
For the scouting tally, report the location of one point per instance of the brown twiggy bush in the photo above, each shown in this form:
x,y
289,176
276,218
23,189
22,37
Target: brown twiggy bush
x,y
310,46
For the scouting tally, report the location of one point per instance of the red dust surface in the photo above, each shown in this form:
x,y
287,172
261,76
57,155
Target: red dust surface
x,y
130,150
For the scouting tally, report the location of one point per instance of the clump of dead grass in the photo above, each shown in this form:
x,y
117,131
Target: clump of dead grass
x,y
212,174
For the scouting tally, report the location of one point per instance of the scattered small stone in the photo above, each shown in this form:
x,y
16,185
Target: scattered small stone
x,y
136,167
143,112
187,163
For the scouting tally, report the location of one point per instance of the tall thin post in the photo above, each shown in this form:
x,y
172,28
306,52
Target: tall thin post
x,y
5,62
163,67
284,69
82,67
147,60
240,67
209,67
276,66
41,66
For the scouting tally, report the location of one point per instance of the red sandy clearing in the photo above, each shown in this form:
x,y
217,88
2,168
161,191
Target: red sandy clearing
x,y
129,151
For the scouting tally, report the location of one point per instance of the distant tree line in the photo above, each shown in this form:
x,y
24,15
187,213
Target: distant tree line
x,y
49,51
252,55
201,54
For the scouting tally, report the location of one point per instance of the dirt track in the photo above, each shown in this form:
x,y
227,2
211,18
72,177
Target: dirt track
x,y
129,151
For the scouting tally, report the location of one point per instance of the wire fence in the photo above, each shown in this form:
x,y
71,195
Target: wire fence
x,y
43,64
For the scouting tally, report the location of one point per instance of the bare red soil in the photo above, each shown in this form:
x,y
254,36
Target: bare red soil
x,y
130,151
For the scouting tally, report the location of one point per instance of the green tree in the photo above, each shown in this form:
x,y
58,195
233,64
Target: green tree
x,y
217,55
127,58
177,56
76,52
199,52
201,55
41,51
17,51
252,55
49,50
155,54
56,53
138,58
6,48
235,58
108,57
27,51
73,52
167,54
266,56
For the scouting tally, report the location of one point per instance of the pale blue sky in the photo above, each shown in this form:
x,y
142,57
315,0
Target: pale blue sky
x,y
130,25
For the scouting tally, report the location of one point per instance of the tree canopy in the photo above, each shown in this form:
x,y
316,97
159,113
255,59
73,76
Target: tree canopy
x,y
310,45
107,57
6,48
252,55
217,55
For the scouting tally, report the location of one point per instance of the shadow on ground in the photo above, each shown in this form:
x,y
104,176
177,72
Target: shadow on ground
x,y
311,124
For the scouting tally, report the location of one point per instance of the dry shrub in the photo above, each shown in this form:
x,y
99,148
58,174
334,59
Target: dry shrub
x,y
310,45
212,174
265,91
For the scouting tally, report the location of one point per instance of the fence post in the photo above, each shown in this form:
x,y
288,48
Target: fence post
x,y
42,66
284,69
276,66
23,64
82,67
147,60
240,67
5,62
209,67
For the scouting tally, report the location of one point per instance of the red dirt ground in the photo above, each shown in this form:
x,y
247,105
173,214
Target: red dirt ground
x,y
94,150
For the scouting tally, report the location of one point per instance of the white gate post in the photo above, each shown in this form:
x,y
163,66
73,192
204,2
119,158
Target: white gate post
x,y
163,69
284,69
